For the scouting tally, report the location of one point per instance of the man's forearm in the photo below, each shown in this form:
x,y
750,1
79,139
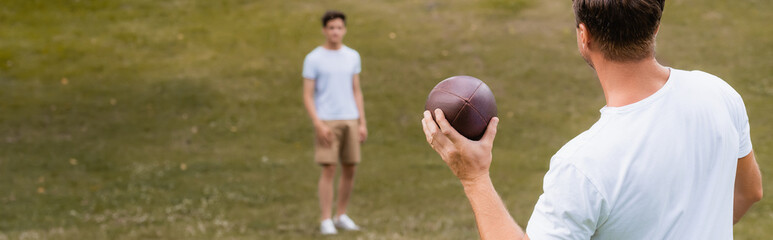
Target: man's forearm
x,y
748,186
740,206
494,221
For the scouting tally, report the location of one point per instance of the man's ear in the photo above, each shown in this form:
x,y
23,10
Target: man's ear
x,y
583,35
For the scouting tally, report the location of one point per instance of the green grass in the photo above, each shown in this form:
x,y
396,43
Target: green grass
x,y
183,119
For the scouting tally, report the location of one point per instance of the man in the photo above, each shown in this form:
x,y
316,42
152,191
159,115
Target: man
x,y
669,158
333,99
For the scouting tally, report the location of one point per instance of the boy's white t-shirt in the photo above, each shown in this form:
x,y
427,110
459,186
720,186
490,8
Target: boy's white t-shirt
x,y
660,168
332,72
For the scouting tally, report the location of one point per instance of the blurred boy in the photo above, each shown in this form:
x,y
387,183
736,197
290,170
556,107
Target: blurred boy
x,y
333,99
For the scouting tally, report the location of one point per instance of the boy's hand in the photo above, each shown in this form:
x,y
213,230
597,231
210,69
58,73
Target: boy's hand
x,y
324,135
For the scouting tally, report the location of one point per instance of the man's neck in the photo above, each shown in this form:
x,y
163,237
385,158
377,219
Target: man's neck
x,y
629,82
332,45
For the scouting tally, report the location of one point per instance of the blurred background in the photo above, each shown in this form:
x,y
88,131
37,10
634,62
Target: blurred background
x,y
141,119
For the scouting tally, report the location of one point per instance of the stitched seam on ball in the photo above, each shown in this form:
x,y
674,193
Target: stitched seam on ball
x,y
459,112
479,114
466,102
460,97
473,106
475,91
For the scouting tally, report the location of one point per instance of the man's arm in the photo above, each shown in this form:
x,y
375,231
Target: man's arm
x,y
748,186
358,99
323,132
470,161
491,215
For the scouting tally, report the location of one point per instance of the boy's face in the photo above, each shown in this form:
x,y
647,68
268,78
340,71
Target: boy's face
x,y
334,30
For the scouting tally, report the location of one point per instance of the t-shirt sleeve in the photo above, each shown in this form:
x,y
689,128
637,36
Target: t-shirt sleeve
x,y
745,141
309,70
357,64
738,110
570,207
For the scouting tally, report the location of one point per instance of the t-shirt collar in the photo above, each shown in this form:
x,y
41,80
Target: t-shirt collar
x,y
645,101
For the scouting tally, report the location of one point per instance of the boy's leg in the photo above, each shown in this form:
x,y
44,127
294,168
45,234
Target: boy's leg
x,y
350,157
326,190
327,157
345,186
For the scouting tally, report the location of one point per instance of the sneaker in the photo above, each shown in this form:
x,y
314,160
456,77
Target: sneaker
x,y
346,223
327,227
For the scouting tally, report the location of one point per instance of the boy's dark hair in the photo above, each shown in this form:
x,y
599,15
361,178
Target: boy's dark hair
x,y
624,30
332,14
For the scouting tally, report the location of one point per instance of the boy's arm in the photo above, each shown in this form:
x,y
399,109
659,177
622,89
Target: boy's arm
x,y
323,132
308,100
360,106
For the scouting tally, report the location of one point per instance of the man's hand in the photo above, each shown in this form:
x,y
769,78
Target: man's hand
x,y
324,134
363,133
467,159
470,161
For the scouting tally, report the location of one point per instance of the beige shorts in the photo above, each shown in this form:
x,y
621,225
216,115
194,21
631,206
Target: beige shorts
x,y
344,147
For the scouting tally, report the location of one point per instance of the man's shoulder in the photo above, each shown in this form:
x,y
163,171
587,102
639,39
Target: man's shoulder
x,y
698,77
596,149
577,147
697,82
572,147
696,74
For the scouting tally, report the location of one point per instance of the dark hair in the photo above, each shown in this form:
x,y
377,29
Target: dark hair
x,y
332,14
624,30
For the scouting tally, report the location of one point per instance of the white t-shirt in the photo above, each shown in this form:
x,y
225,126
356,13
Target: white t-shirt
x,y
660,168
333,72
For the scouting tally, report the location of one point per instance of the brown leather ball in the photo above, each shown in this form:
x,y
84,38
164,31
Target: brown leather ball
x,y
467,103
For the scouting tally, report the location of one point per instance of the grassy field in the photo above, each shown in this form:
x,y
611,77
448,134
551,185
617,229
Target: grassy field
x,y
181,119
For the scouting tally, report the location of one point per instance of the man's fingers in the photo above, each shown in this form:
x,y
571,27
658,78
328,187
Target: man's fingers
x,y
438,141
427,134
431,125
446,127
491,131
